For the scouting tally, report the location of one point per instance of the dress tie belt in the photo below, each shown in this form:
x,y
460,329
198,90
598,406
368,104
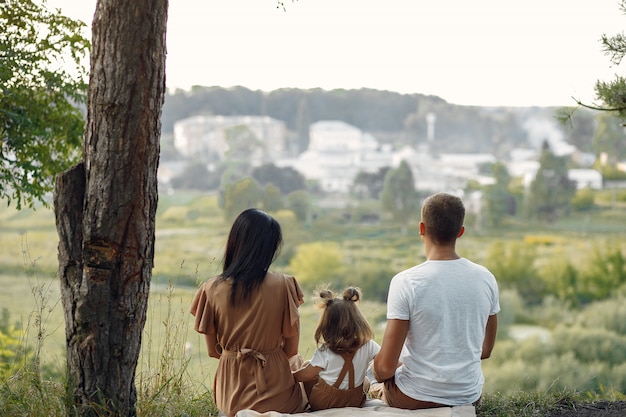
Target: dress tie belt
x,y
259,357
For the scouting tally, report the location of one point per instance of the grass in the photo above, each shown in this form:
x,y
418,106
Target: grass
x,y
175,375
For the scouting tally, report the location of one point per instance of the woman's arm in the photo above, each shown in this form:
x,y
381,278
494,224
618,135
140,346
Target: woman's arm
x,y
308,373
290,345
211,345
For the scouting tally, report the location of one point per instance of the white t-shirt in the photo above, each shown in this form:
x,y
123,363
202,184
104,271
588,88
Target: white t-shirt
x,y
447,304
331,363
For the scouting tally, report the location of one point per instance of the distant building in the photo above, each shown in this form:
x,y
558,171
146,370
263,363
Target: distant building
x,y
585,178
444,172
205,137
337,153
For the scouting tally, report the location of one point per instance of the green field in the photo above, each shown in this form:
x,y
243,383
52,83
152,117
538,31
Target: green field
x,y
190,238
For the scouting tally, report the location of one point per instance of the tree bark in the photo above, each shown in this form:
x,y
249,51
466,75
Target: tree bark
x,y
105,208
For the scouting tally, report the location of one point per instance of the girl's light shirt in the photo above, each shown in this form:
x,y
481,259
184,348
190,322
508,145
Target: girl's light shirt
x,y
331,363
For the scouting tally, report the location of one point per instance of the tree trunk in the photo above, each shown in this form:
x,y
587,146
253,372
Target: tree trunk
x,y
105,208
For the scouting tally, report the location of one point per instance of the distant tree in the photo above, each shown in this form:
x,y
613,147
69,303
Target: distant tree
x,y
609,137
318,263
233,171
242,143
373,278
583,200
42,82
239,196
196,176
370,184
13,352
580,127
286,179
399,196
499,202
551,192
272,200
300,203
606,272
514,266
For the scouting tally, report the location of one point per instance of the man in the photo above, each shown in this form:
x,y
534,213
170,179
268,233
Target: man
x,y
441,319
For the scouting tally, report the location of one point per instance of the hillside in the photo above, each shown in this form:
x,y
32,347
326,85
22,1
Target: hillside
x,y
391,117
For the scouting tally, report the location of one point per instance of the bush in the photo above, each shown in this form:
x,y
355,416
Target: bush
x,y
12,351
583,200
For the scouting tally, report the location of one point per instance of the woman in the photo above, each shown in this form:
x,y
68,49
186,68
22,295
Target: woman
x,y
250,320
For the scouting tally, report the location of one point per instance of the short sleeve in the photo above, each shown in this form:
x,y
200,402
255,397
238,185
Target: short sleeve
x,y
398,307
294,299
203,312
495,305
319,359
373,349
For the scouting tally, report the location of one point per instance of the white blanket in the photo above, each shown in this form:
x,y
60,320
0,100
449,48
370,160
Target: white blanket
x,y
372,408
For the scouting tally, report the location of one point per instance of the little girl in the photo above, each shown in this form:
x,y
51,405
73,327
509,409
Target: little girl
x,y
335,376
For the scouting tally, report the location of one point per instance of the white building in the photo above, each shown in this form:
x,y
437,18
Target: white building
x,y
337,152
204,137
585,178
443,172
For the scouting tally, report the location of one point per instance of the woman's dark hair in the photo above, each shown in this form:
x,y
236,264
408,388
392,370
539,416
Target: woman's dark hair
x,y
253,243
342,327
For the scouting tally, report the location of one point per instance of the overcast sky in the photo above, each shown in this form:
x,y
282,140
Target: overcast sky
x,y
478,52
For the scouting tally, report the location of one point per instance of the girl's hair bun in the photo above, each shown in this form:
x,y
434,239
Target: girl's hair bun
x,y
351,294
326,297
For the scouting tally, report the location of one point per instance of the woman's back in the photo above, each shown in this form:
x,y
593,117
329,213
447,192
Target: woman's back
x,y
254,371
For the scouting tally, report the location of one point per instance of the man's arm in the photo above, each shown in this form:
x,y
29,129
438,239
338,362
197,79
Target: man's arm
x,y
386,362
491,330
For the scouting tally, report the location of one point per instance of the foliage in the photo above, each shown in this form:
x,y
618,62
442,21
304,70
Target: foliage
x,y
317,263
611,93
41,126
287,179
606,272
12,351
373,278
369,184
239,196
583,200
300,203
524,377
608,138
600,272
499,202
399,196
580,126
608,314
551,191
243,145
513,265
196,176
272,200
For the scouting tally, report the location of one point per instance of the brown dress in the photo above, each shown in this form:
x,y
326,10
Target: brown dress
x,y
253,371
